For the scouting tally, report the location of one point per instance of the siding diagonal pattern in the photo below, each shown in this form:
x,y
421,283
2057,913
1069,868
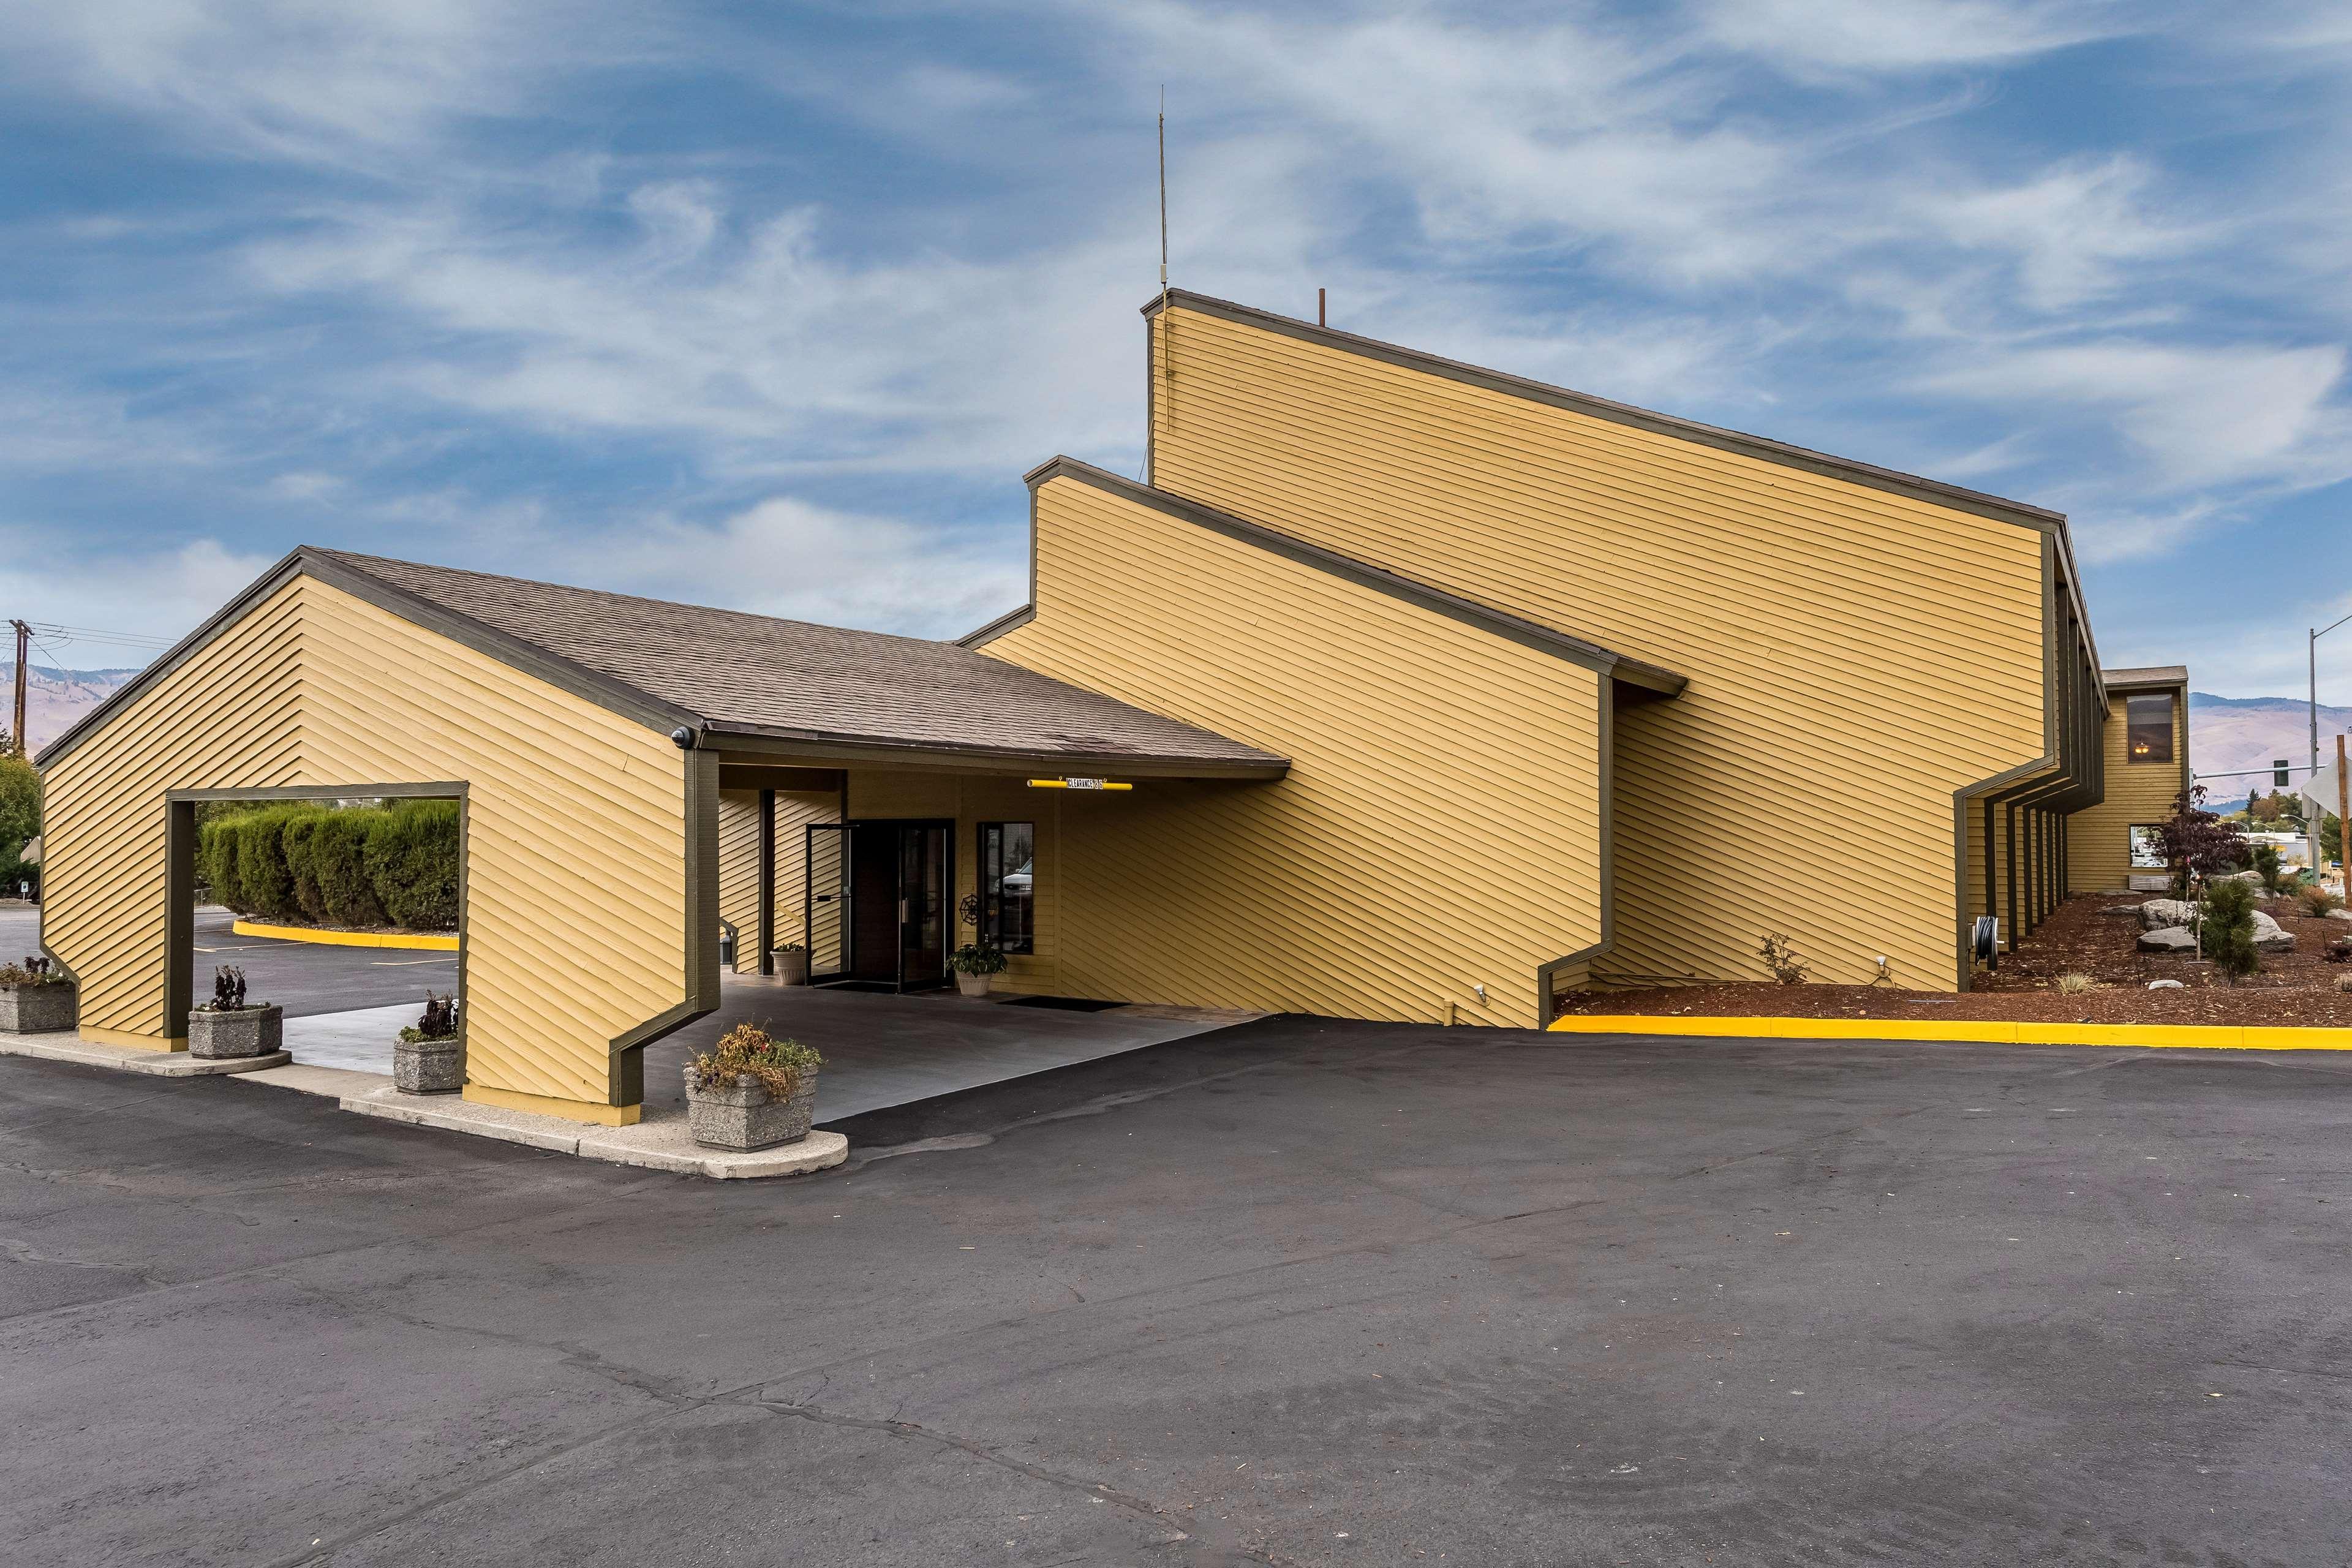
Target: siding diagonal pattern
x,y
1440,827
1855,656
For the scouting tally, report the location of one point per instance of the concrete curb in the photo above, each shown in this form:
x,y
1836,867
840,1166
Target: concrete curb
x,y
1983,1032
64,1047
663,1144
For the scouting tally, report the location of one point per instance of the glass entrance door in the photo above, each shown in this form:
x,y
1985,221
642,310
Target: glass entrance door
x,y
829,899
923,906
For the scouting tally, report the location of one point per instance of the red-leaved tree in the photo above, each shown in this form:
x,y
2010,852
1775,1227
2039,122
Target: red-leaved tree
x,y
2196,841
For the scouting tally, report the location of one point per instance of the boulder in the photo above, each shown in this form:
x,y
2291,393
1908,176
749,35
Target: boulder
x,y
2270,936
2166,986
2156,915
2340,914
2170,938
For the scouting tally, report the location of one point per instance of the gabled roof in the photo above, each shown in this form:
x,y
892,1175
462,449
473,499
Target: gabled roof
x,y
1616,667
735,677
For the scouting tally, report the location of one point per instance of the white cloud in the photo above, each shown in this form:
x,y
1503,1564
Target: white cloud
x,y
148,594
1814,37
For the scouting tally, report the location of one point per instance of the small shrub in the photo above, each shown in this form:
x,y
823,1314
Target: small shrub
x,y
2267,867
229,989
979,958
31,971
746,1051
2316,901
1782,960
440,1021
2226,924
2073,984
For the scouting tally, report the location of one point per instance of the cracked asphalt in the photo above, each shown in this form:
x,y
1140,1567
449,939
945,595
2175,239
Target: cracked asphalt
x,y
1297,1292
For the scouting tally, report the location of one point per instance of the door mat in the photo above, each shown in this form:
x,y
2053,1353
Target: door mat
x,y
1063,1003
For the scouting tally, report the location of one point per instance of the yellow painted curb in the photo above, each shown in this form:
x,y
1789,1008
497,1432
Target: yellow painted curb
x,y
429,941
2198,1036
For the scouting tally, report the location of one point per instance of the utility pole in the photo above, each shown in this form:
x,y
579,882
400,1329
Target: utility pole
x,y
16,735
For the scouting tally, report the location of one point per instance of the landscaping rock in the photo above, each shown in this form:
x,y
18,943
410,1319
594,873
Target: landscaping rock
x,y
2158,914
2340,914
2166,986
2132,909
2170,938
2270,936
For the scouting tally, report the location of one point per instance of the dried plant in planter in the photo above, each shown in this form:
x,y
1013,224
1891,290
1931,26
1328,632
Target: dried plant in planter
x,y
439,1022
1781,958
746,1051
229,989
31,971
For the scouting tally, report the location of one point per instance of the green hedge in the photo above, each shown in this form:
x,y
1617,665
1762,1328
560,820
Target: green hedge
x,y
355,866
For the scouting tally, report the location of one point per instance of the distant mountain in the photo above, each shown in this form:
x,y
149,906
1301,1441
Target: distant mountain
x,y
54,699
2228,734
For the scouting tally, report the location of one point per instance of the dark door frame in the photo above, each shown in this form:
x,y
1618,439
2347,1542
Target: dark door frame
x,y
946,827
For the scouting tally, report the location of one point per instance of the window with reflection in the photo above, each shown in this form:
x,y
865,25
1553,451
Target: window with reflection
x,y
2148,728
1008,886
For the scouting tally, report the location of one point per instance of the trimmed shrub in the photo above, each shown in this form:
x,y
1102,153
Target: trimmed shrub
x,y
412,858
302,867
2226,923
338,864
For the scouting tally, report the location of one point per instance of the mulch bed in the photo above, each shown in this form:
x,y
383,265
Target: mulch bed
x,y
2079,938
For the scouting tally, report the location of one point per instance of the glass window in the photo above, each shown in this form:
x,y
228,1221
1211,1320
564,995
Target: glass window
x,y
1008,856
2148,728
2147,849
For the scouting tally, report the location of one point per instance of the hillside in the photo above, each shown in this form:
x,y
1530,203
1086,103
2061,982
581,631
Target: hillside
x,y
2230,733
54,699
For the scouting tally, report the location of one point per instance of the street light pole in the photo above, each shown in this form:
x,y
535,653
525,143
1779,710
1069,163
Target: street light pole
x,y
2311,646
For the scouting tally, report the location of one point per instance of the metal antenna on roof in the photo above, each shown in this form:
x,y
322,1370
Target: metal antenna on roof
x,y
1160,326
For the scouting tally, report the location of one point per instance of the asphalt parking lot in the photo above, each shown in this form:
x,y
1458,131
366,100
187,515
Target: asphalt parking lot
x,y
1297,1292
306,978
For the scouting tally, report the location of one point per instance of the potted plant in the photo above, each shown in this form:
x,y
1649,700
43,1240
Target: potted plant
x,y
35,998
975,963
229,1027
792,963
751,1091
430,1055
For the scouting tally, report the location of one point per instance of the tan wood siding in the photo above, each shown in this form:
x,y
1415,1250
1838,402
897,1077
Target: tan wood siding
x,y
1441,826
575,899
795,810
2138,793
1855,656
739,873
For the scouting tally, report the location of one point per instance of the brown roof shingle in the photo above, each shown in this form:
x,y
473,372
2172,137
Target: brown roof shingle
x,y
758,676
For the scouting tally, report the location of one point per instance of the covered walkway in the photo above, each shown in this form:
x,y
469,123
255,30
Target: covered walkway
x,y
882,1049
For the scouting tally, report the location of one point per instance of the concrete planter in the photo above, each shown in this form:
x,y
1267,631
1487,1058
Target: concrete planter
x,y
429,1066
37,1009
742,1115
973,984
792,964
241,1032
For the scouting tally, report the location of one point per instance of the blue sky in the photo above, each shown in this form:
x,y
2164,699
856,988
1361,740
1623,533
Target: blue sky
x,y
770,306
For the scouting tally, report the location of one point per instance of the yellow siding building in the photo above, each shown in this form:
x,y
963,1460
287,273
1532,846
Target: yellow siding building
x,y
1398,689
